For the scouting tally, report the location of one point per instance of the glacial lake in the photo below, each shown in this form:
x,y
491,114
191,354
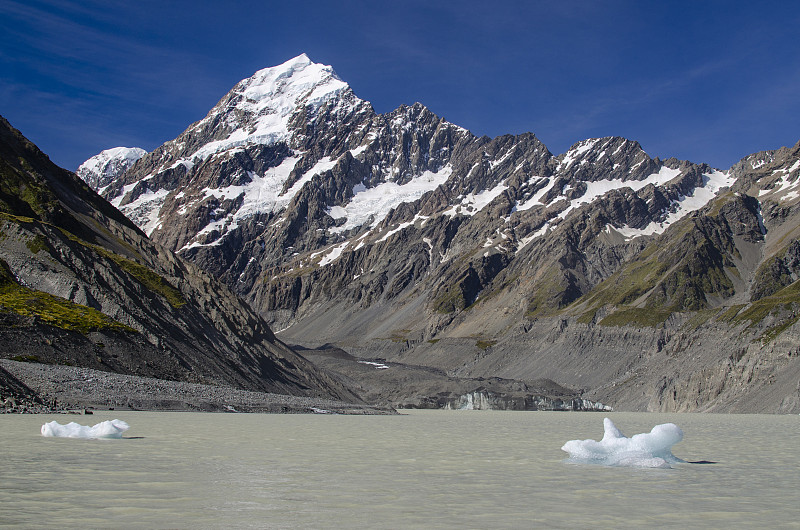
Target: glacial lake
x,y
421,469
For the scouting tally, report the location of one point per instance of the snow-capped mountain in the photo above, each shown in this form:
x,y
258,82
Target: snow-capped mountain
x,y
388,233
273,133
258,152
104,167
82,286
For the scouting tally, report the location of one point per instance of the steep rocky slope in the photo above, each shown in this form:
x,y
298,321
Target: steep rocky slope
x,y
403,237
17,396
80,284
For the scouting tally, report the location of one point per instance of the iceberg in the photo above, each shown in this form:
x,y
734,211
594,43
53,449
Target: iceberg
x,y
651,449
105,429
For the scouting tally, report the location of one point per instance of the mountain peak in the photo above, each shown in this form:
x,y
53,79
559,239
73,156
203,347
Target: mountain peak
x,y
301,58
612,157
300,61
258,109
100,170
298,81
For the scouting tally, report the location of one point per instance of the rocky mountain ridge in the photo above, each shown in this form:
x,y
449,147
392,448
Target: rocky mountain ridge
x,y
80,284
405,237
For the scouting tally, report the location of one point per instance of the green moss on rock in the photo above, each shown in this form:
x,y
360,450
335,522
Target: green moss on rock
x,y
783,307
148,278
51,310
22,194
552,292
36,244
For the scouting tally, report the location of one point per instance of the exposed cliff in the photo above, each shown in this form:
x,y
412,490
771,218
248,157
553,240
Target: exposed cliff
x,y
81,284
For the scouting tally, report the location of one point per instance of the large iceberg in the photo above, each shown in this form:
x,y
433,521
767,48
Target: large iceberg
x,y
650,449
105,429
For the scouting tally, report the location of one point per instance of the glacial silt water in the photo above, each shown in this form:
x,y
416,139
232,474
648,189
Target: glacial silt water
x,y
424,469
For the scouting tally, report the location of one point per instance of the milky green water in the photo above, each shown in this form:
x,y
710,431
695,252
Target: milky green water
x,y
425,469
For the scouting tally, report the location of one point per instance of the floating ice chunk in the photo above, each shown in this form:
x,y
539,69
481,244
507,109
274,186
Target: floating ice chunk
x,y
105,429
615,449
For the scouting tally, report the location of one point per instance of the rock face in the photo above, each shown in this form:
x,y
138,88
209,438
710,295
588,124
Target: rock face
x,y
80,284
405,386
405,237
17,397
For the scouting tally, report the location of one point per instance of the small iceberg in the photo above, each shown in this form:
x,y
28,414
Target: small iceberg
x,y
105,429
650,449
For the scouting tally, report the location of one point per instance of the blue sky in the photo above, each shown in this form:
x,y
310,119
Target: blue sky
x,y
705,81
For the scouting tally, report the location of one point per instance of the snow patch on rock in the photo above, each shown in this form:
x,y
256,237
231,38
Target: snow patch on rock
x,y
371,205
103,168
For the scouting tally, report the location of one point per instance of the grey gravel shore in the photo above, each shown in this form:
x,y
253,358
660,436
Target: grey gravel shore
x,y
71,388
